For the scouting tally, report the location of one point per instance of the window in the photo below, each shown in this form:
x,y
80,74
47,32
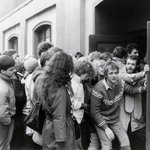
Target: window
x,y
41,33
13,43
44,34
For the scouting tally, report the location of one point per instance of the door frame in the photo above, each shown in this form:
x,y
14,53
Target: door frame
x,y
148,91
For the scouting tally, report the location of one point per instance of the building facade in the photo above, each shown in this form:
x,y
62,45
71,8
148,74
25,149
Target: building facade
x,y
76,25
65,23
73,25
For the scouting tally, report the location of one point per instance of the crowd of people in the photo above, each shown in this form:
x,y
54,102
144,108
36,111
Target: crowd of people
x,y
89,101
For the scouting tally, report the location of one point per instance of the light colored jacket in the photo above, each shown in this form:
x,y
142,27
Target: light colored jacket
x,y
78,98
7,100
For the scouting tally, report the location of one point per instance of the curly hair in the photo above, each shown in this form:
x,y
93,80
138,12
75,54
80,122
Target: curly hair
x,y
84,67
60,67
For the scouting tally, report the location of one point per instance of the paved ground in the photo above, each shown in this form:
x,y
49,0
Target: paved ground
x,y
23,142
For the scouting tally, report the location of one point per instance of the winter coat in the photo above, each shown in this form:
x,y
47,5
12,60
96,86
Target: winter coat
x,y
7,100
58,126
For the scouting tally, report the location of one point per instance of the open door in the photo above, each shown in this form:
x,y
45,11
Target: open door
x,y
107,43
148,91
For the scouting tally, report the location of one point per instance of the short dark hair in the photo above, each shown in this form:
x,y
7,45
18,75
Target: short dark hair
x,y
84,67
111,65
6,62
43,46
119,52
131,46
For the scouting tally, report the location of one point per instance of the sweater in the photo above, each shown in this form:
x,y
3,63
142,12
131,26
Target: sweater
x,y
105,102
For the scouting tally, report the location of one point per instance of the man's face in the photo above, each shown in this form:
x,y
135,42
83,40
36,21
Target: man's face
x,y
112,76
130,65
9,72
134,52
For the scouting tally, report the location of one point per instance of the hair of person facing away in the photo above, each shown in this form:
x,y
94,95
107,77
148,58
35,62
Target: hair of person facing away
x,y
43,46
9,52
84,67
60,68
6,62
119,52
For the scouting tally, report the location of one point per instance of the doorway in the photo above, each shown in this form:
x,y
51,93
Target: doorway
x,y
118,22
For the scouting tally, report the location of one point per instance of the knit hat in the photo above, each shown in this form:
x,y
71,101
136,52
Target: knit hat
x,y
30,64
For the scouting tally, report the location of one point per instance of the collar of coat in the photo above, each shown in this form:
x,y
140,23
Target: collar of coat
x,y
5,77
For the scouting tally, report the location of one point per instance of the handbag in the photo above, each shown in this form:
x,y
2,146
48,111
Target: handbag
x,y
76,128
36,117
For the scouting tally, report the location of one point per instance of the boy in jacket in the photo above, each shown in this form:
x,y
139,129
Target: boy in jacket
x,y
7,101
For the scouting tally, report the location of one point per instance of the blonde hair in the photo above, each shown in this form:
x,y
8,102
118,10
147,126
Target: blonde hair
x,y
96,64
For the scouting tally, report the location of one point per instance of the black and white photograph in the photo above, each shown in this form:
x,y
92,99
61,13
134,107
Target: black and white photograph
x,y
74,75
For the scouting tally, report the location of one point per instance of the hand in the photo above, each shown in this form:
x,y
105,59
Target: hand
x,y
109,134
85,106
145,84
84,77
6,121
146,68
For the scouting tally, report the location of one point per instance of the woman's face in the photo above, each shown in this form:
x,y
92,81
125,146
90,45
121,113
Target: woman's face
x,y
135,52
100,67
